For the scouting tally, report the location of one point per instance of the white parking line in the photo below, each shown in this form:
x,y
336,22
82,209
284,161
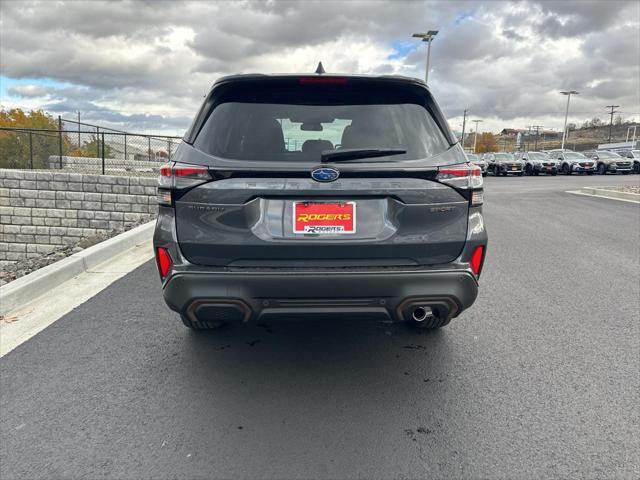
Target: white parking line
x,y
22,324
578,192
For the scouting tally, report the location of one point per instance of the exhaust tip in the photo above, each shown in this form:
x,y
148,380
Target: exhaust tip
x,y
420,314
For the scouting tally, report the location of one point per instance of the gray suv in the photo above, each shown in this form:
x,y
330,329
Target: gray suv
x,y
504,164
609,162
303,196
569,162
536,163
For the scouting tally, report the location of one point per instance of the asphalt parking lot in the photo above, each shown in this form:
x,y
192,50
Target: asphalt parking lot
x,y
538,379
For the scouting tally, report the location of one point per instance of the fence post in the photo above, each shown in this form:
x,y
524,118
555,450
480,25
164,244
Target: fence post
x,y
169,148
149,138
125,147
103,153
98,141
60,140
31,150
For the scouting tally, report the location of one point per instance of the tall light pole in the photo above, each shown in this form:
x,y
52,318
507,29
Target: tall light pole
x,y
475,138
568,93
427,37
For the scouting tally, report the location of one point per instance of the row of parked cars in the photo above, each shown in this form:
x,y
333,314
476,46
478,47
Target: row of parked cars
x,y
553,162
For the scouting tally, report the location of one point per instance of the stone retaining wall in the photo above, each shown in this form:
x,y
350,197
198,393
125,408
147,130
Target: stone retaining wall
x,y
41,211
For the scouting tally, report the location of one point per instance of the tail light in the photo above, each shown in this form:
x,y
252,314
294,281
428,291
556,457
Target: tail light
x,y
179,176
466,177
477,259
322,81
164,262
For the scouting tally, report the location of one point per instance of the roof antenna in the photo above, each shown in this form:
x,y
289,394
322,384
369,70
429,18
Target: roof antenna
x,y
320,70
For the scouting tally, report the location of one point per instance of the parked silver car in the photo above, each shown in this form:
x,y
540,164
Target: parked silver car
x,y
634,156
479,161
570,162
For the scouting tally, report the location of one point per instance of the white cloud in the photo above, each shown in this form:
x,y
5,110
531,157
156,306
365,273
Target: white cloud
x,y
153,61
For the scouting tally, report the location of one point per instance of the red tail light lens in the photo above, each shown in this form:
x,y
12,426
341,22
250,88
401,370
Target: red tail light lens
x,y
177,176
464,176
477,259
164,262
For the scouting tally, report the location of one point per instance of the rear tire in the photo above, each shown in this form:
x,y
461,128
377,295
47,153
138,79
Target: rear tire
x,y
200,326
566,169
602,170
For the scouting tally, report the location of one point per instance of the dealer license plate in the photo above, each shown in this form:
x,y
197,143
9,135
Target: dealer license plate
x,y
324,218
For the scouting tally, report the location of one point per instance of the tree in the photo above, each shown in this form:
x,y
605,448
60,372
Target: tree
x,y
16,146
486,143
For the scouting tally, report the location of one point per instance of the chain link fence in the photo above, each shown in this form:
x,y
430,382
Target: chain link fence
x,y
85,148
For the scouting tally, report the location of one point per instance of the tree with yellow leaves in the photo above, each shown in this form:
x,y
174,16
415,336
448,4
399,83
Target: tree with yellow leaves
x,y
486,143
23,149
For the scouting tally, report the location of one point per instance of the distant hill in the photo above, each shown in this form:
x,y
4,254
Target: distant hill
x,y
581,138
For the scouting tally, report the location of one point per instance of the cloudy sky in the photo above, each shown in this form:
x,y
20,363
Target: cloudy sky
x,y
145,65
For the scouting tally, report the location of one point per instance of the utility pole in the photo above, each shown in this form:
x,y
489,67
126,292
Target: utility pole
x,y
568,93
464,122
475,138
537,127
427,37
612,107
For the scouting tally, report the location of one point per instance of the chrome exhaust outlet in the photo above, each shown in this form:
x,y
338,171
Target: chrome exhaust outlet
x,y
420,314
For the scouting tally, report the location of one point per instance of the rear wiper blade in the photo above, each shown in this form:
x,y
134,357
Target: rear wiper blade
x,y
348,154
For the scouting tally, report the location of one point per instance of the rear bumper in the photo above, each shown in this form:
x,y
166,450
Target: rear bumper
x,y
545,169
578,168
508,169
383,295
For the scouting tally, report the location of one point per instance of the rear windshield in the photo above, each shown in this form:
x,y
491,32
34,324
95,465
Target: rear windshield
x,y
538,156
506,157
297,124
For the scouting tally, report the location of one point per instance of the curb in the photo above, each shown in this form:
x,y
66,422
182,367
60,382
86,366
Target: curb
x,y
36,284
604,192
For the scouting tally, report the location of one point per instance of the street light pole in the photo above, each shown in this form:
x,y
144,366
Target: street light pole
x,y
427,37
475,137
568,93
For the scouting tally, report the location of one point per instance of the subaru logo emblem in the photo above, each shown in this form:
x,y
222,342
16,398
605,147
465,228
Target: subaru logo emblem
x,y
325,174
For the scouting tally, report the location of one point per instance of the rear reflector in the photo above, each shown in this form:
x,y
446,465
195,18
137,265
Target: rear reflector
x,y
477,260
164,262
